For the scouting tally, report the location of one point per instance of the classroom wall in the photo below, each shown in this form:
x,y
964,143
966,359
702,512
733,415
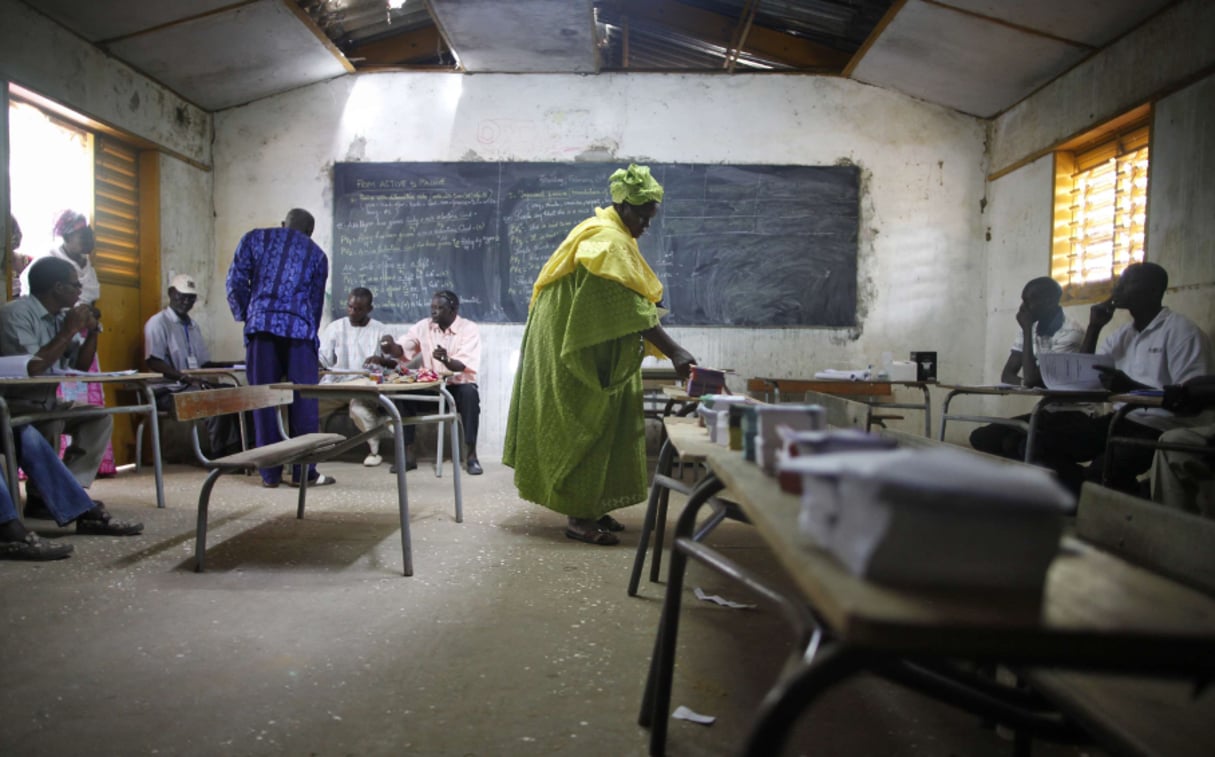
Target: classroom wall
x,y
923,170
42,56
1168,61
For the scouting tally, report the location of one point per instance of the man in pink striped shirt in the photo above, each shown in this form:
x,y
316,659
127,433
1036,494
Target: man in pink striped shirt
x,y
450,346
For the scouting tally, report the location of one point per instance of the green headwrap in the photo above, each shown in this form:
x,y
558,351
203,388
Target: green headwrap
x,y
635,186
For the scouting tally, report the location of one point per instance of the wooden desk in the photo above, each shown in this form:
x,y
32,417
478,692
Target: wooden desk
x,y
234,373
875,394
140,382
1046,398
386,395
1097,612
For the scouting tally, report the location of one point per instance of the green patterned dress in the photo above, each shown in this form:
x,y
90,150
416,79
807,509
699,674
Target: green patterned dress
x,y
576,430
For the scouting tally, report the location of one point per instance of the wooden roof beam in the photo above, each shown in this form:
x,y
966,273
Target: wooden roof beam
x,y
717,29
407,47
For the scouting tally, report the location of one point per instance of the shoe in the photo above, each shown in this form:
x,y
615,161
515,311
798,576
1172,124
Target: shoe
x,y
107,527
608,523
30,547
474,467
372,461
35,507
270,484
593,536
409,465
321,480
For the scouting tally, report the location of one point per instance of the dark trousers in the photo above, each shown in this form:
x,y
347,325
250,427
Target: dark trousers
x,y
270,359
1065,451
468,404
1009,441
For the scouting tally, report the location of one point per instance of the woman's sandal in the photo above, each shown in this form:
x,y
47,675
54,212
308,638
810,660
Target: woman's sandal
x,y
608,523
594,536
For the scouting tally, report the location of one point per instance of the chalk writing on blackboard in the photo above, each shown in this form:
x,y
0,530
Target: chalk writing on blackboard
x,y
745,245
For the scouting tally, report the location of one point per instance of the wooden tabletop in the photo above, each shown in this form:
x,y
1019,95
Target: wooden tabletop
x,y
89,378
345,387
690,439
678,393
1096,608
1097,395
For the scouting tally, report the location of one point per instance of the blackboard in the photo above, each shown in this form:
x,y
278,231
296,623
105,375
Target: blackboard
x,y
734,245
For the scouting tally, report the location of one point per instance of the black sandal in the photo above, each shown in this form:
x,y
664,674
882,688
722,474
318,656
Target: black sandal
x,y
30,547
608,523
595,536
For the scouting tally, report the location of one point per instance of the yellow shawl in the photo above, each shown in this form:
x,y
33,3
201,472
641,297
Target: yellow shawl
x,y
604,246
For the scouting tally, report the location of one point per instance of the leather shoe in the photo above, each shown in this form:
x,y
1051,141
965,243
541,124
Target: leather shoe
x,y
473,467
410,464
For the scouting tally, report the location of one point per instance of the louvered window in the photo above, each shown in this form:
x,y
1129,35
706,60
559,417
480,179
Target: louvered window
x,y
116,209
1100,213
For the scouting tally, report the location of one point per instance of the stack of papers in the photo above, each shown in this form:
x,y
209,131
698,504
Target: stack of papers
x,y
860,374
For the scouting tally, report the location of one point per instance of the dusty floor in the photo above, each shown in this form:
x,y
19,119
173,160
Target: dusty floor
x,y
303,637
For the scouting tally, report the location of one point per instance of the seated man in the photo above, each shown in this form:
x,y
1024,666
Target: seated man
x,y
1186,480
47,324
1043,328
346,344
173,343
446,344
1156,349
65,503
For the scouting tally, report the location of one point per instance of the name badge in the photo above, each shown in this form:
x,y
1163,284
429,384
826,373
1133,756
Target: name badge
x,y
192,362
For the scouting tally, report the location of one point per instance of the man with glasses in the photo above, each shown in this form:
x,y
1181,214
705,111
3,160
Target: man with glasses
x,y
54,330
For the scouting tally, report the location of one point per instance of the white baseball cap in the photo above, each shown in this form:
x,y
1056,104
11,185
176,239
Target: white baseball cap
x,y
184,284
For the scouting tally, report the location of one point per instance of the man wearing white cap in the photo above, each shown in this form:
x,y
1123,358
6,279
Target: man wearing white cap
x,y
173,345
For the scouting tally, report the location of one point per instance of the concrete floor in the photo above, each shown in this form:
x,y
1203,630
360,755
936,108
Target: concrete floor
x,y
304,638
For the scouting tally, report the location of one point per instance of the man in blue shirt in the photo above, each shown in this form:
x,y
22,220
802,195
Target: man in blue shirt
x,y
276,285
173,345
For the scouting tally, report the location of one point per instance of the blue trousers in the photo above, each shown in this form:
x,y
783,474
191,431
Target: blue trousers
x,y
63,495
270,359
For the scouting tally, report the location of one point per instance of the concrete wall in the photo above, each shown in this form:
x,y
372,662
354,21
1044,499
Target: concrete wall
x,y
1165,62
922,168
86,80
38,54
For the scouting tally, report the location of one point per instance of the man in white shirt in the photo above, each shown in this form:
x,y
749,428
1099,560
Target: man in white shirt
x,y
1157,349
1043,328
450,346
346,344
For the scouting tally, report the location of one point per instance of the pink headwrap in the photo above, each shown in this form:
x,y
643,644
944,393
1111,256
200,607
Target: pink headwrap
x,y
69,221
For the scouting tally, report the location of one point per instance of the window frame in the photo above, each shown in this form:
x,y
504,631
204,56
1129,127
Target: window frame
x,y
1116,138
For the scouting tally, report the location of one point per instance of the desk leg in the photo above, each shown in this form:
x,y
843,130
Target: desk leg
x,y
656,702
945,411
665,456
10,455
444,396
927,412
157,466
1032,435
398,451
785,701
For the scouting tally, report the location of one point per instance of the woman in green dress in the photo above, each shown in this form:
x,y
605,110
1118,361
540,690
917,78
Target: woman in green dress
x,y
576,430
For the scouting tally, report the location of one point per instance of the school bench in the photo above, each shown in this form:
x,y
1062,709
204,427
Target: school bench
x,y
196,407
1131,715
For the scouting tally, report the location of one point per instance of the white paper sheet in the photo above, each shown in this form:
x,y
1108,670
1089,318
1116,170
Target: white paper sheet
x,y
860,374
1072,371
702,596
15,366
684,713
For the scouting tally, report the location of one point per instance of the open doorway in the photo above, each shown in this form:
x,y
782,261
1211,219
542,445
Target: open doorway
x,y
61,160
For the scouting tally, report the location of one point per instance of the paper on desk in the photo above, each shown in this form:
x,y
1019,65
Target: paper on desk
x,y
15,366
1072,371
700,594
860,374
683,713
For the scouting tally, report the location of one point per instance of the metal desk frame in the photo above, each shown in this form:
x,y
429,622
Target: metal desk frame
x,y
136,381
847,625
385,395
1046,398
